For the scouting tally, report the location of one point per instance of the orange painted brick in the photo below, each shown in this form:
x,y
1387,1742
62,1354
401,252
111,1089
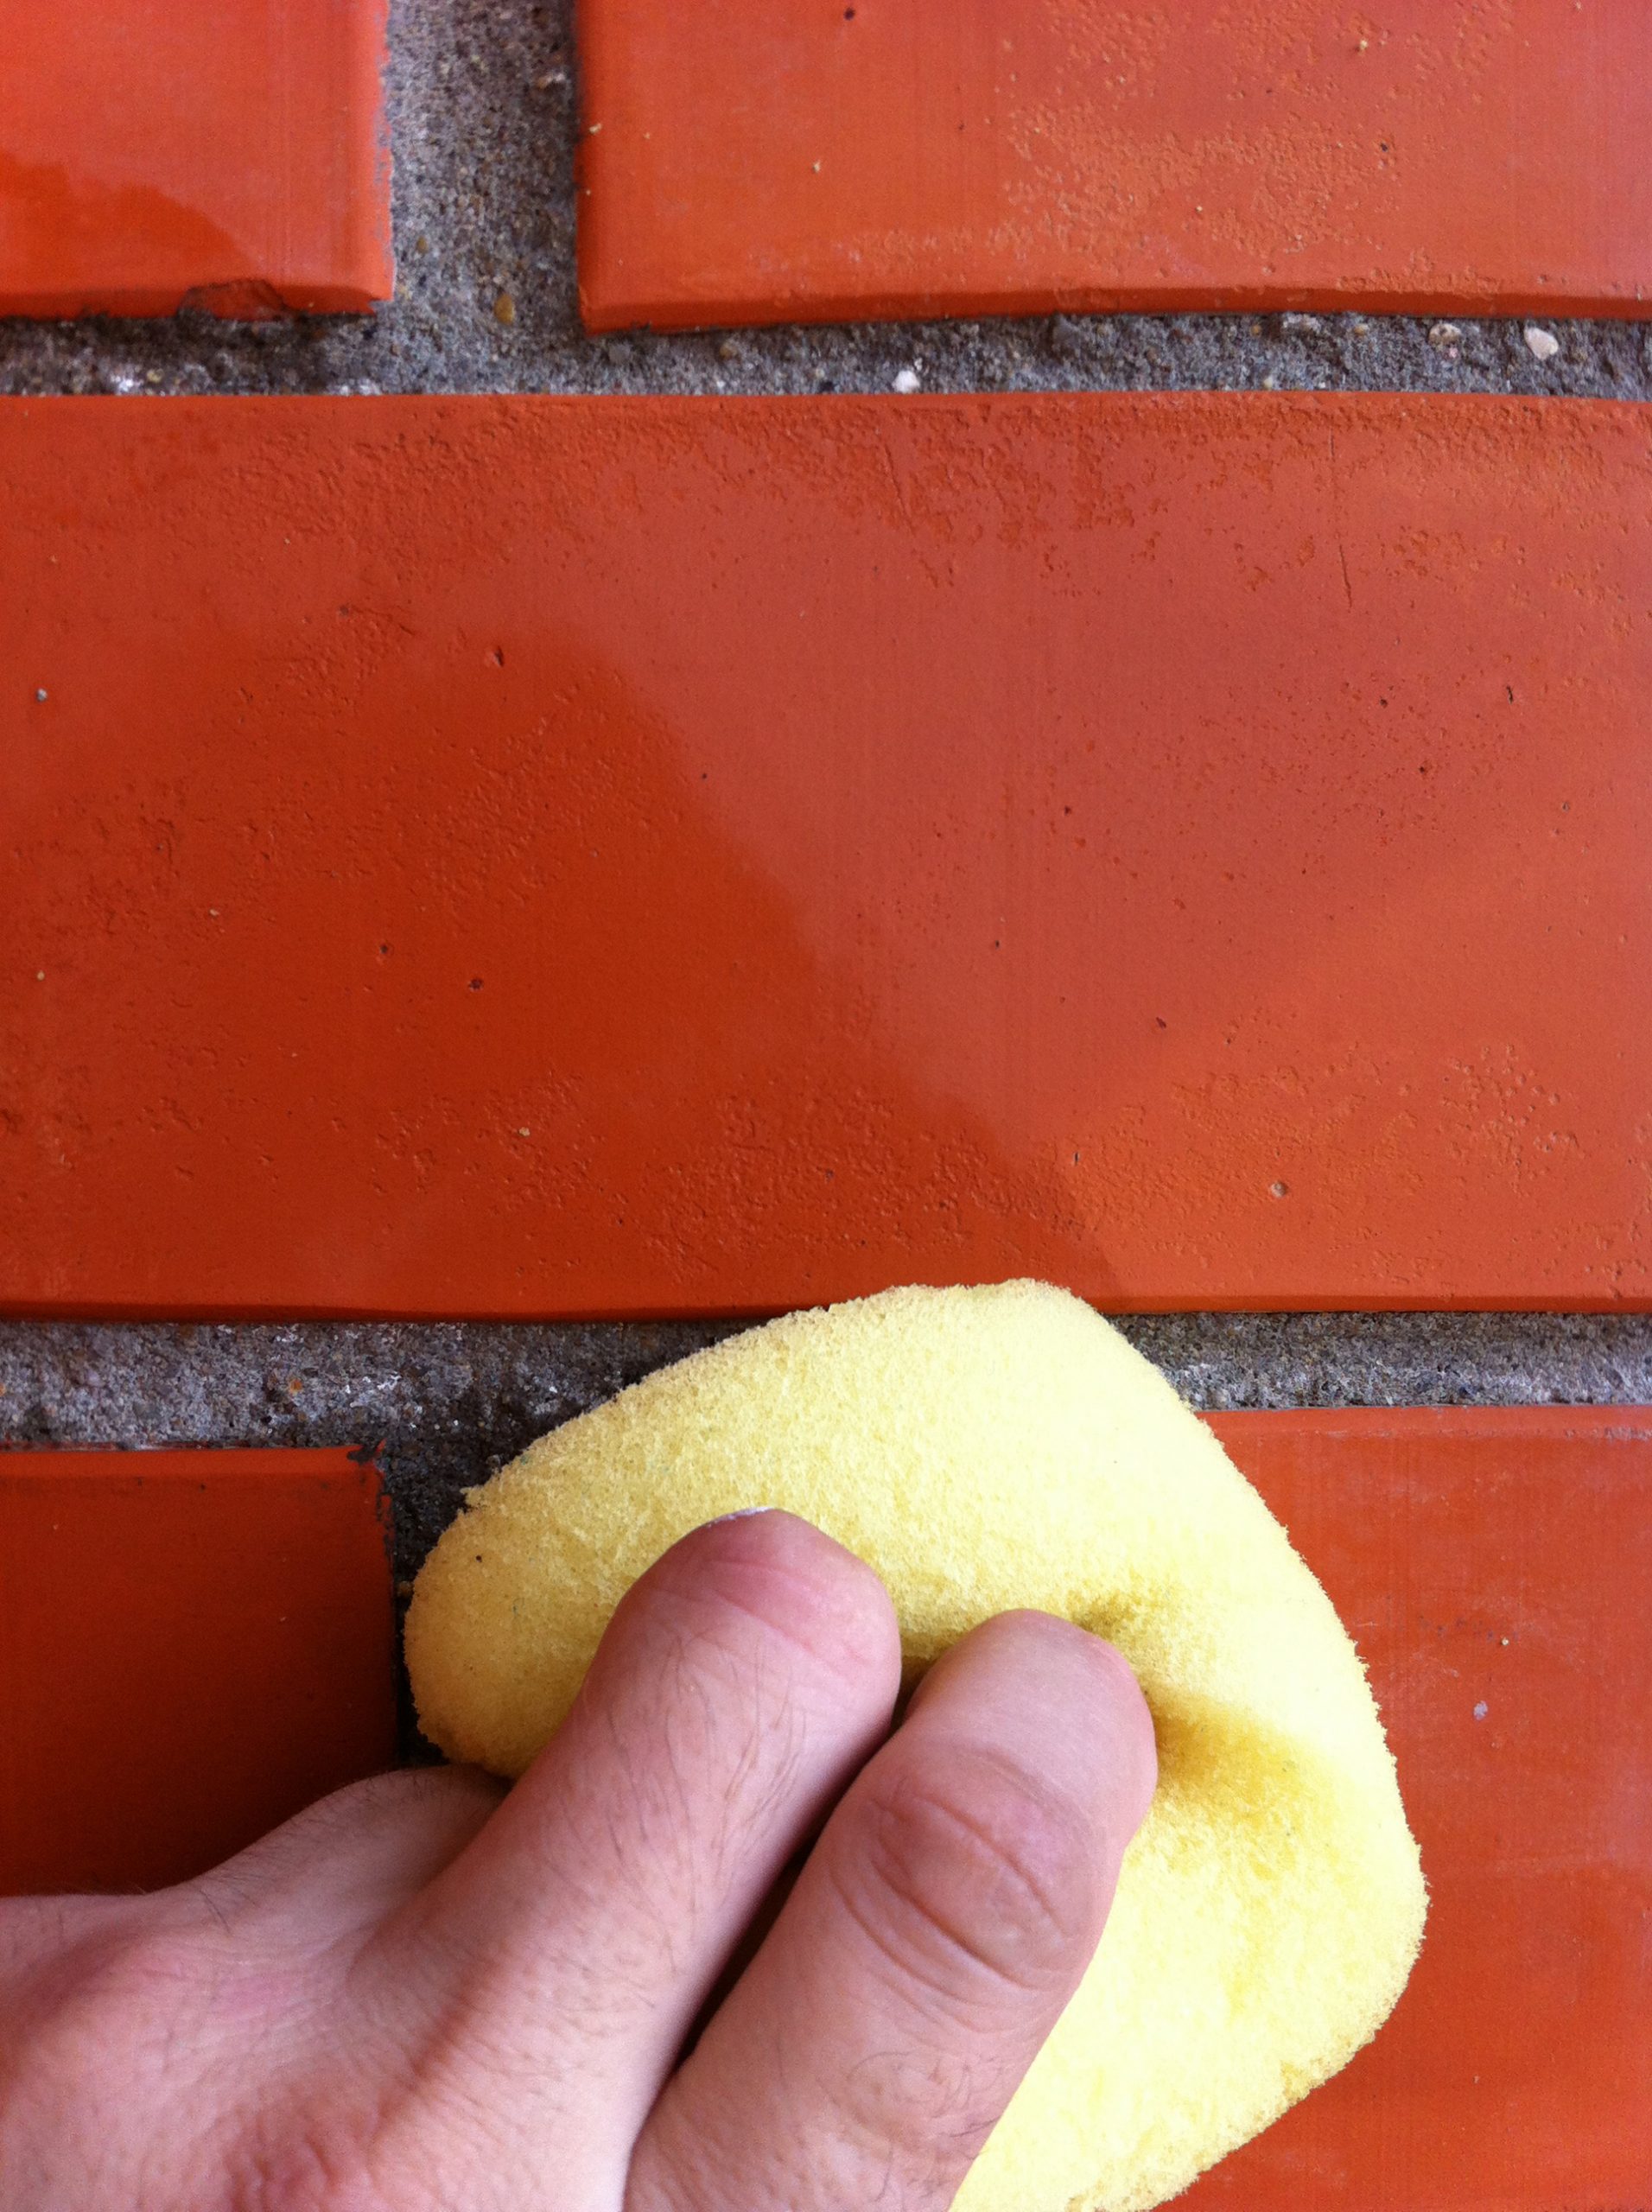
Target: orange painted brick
x,y
524,857
770,161
156,154
1493,1568
194,1645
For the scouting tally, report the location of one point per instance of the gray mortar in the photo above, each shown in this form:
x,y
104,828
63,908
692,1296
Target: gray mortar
x,y
482,103
450,1403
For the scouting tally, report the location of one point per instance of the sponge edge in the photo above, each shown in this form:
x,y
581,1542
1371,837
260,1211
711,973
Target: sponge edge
x,y
986,1449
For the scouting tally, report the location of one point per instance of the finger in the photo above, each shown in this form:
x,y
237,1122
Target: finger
x,y
741,1682
357,1855
934,1937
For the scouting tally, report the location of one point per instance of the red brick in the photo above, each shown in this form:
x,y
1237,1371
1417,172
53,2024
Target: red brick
x,y
163,153
1493,1568
194,1645
590,857
773,160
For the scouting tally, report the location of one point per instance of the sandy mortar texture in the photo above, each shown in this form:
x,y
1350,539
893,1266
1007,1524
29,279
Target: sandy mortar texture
x,y
482,105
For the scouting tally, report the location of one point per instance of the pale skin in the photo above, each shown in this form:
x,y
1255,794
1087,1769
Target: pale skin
x,y
425,1994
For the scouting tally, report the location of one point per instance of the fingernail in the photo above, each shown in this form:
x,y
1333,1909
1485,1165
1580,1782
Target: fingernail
x,y
739,1513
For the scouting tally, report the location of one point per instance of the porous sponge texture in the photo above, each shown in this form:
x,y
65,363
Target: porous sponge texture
x,y
986,1449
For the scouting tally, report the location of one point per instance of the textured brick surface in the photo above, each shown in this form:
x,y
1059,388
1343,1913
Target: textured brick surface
x,y
763,161
219,1620
1490,1568
658,857
193,1646
481,105
230,156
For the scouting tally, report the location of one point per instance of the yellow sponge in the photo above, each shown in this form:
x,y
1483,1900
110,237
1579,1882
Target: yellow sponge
x,y
988,1449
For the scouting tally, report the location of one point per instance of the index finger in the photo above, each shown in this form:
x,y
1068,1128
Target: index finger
x,y
934,1938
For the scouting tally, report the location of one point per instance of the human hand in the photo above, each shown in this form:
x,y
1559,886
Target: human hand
x,y
425,1995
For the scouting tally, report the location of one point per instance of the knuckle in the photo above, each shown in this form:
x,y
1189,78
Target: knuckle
x,y
88,2030
982,1880
147,1967
779,1579
376,1799
312,2167
407,1800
